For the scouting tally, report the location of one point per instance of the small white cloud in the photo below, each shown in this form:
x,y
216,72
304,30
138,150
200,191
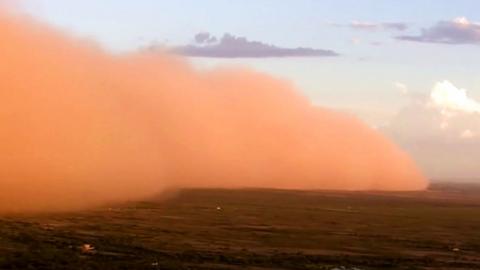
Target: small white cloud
x,y
449,98
401,87
461,21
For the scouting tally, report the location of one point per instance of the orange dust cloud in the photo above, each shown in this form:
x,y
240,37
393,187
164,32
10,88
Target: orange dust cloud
x,y
80,127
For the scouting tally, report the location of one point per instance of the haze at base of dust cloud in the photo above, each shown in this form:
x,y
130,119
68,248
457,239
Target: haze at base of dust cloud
x,y
80,127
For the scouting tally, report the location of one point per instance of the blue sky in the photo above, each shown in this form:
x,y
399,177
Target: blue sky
x,y
121,23
367,79
128,25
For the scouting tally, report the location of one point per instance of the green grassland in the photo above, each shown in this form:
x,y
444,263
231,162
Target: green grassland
x,y
255,229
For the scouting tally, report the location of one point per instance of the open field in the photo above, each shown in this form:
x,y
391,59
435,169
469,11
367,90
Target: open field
x,y
256,229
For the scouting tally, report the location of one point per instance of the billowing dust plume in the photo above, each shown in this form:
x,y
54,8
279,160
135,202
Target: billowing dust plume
x,y
80,127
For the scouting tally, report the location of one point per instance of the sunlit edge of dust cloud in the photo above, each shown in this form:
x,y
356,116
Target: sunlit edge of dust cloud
x,y
80,127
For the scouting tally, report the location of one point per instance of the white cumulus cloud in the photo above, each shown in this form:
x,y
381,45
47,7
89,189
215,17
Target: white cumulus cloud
x,y
447,96
441,130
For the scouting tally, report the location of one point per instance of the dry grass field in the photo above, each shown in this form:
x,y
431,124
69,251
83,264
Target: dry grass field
x,y
256,229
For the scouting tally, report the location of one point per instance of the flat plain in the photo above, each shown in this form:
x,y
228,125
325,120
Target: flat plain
x,y
256,229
